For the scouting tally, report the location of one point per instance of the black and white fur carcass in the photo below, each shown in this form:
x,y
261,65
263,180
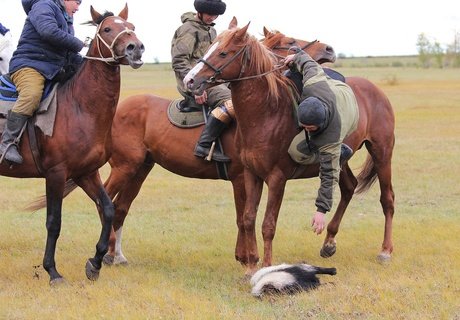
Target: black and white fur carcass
x,y
287,278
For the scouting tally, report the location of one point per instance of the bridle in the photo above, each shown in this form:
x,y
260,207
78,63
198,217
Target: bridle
x,y
99,39
292,48
245,58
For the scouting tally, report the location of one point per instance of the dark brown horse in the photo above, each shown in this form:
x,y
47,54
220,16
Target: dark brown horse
x,y
81,141
266,128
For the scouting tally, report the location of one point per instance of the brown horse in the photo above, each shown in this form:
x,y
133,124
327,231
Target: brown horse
x,y
266,128
82,134
376,130
143,136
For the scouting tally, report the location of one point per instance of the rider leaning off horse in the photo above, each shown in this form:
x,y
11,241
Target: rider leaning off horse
x,y
189,44
47,45
328,113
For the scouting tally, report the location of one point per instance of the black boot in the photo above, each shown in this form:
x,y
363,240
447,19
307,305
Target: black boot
x,y
345,153
211,132
14,123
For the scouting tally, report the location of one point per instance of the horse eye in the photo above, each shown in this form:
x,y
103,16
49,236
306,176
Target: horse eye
x,y
1,59
107,29
291,42
223,54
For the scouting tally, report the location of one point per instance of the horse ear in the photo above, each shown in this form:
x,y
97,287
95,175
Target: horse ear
x,y
267,33
233,24
242,32
124,13
96,16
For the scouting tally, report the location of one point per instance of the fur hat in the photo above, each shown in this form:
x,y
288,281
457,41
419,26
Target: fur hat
x,y
211,7
312,112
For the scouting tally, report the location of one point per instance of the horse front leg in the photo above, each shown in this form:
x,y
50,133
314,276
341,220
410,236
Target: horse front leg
x,y
347,184
239,196
54,195
276,186
253,188
92,185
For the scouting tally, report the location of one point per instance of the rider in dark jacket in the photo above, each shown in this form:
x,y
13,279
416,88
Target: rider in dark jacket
x,y
47,44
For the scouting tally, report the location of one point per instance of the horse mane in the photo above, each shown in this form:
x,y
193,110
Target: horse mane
x,y
99,20
261,60
273,39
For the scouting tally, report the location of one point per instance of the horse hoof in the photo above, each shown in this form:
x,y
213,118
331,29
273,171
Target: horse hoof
x,y
57,282
384,257
108,260
91,272
328,250
120,261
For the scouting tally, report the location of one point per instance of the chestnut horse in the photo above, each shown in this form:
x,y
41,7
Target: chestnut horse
x,y
376,130
143,136
266,128
81,141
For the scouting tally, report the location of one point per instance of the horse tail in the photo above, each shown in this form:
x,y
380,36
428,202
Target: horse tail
x,y
40,202
367,176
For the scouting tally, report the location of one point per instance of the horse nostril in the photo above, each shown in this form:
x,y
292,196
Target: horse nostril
x,y
130,47
329,49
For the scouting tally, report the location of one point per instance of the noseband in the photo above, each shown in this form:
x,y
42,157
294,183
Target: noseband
x,y
99,39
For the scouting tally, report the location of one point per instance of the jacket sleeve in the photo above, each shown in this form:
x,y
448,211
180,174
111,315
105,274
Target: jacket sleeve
x,y
314,79
182,51
42,16
329,171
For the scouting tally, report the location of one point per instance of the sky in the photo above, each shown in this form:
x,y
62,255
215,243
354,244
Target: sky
x,y
354,28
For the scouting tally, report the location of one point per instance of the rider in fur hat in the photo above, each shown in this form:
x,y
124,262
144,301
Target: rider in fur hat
x,y
189,44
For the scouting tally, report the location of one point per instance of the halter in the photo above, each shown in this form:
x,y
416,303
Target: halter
x,y
244,59
99,39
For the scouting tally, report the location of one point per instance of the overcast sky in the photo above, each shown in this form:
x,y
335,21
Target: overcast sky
x,y
353,27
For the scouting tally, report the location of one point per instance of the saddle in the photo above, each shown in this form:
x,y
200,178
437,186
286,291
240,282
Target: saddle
x,y
44,116
184,113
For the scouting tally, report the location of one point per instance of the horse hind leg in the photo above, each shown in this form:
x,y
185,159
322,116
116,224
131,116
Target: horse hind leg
x,y
381,154
347,184
124,193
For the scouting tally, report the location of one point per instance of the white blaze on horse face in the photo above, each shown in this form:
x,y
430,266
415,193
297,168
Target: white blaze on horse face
x,y
197,68
118,21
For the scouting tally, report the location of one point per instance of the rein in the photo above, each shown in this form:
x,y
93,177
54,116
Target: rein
x,y
219,70
99,39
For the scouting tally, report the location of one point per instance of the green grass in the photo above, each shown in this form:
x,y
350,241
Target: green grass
x,y
180,234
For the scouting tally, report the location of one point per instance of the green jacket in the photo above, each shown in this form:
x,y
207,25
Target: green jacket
x,y
341,120
189,44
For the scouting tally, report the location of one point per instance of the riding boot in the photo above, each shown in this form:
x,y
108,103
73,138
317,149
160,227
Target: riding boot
x,y
211,132
345,153
14,123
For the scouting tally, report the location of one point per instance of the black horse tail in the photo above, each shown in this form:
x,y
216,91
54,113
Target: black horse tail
x,y
40,202
367,176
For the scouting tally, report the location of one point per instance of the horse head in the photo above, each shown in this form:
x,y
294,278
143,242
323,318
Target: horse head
x,y
6,51
116,41
225,61
282,45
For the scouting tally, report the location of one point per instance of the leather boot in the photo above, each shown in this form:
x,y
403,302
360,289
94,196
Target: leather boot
x,y
14,123
345,153
211,132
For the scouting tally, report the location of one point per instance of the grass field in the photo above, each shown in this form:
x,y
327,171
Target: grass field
x,y
180,234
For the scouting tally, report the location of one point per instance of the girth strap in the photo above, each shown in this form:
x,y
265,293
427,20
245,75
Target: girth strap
x,y
34,145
